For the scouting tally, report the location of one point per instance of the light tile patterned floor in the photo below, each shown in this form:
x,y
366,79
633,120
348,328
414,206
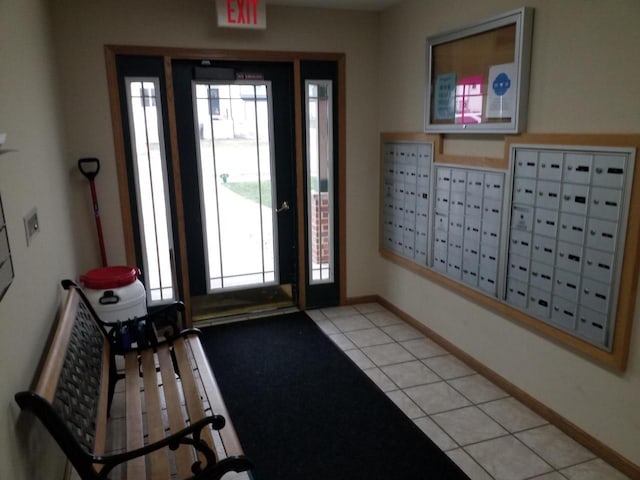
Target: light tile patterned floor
x,y
489,434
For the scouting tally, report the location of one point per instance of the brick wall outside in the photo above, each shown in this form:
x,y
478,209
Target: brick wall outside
x,y
320,227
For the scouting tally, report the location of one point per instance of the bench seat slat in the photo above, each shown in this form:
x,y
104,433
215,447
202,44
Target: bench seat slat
x,y
136,467
184,457
228,434
191,393
158,460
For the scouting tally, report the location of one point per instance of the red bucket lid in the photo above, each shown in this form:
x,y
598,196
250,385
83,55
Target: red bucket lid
x,y
110,277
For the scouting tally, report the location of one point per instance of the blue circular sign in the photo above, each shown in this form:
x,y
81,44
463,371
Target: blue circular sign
x,y
501,84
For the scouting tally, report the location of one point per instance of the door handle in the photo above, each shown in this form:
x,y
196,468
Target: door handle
x,y
284,207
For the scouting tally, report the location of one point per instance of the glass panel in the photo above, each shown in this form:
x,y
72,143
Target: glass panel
x,y
320,180
236,173
147,139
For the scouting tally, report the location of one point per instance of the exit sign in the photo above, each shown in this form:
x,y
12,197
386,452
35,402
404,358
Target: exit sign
x,y
242,13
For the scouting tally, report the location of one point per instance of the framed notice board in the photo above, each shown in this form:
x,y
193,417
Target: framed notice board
x,y
478,76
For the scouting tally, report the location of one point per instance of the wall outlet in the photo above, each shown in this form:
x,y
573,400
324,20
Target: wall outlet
x,y
31,225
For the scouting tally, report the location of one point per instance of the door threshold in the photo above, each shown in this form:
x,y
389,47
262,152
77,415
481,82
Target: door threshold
x,y
241,302
209,322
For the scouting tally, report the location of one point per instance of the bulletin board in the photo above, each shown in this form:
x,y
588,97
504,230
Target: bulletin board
x,y
478,76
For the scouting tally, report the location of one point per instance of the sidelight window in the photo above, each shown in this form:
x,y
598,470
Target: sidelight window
x,y
149,160
319,134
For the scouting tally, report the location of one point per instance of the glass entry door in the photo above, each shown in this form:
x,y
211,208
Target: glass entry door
x,y
236,155
236,177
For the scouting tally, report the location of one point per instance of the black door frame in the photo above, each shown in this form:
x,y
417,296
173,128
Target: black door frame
x,y
169,54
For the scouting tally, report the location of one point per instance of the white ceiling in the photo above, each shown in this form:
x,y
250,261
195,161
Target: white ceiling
x,y
371,5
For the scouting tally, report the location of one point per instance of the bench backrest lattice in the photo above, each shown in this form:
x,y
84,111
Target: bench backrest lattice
x,y
79,385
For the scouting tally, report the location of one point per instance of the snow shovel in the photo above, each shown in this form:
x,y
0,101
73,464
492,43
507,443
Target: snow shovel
x,y
90,167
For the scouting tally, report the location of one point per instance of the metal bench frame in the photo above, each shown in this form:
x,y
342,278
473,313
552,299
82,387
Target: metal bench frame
x,y
169,380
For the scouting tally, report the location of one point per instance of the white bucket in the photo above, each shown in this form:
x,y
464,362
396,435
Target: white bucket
x,y
115,293
122,303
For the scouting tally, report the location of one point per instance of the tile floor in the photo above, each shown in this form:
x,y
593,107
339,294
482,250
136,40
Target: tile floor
x,y
488,433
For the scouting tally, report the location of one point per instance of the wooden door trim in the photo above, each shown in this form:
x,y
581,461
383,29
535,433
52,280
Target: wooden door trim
x,y
216,54
342,177
171,53
120,157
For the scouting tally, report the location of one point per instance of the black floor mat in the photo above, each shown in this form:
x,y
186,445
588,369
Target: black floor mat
x,y
304,411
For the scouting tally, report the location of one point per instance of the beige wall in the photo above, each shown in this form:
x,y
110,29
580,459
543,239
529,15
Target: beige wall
x,y
82,29
584,79
41,72
384,54
36,176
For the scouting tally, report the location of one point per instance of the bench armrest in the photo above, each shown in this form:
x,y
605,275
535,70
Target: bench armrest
x,y
144,331
170,316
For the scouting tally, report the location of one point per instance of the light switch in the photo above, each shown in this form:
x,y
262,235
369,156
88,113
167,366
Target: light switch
x,y
31,224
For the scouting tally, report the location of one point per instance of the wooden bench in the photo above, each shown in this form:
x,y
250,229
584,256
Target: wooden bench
x,y
177,425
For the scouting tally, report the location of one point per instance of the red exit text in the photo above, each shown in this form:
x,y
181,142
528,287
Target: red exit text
x,y
243,12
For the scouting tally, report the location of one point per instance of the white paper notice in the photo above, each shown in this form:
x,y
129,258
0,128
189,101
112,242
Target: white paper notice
x,y
501,94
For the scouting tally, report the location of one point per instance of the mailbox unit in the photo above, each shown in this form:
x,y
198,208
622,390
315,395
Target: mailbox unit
x,y
406,180
468,224
568,219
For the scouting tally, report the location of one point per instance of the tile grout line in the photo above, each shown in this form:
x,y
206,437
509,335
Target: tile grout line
x,y
426,415
553,469
446,381
457,445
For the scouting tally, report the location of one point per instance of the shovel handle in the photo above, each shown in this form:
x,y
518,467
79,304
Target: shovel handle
x,y
89,167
